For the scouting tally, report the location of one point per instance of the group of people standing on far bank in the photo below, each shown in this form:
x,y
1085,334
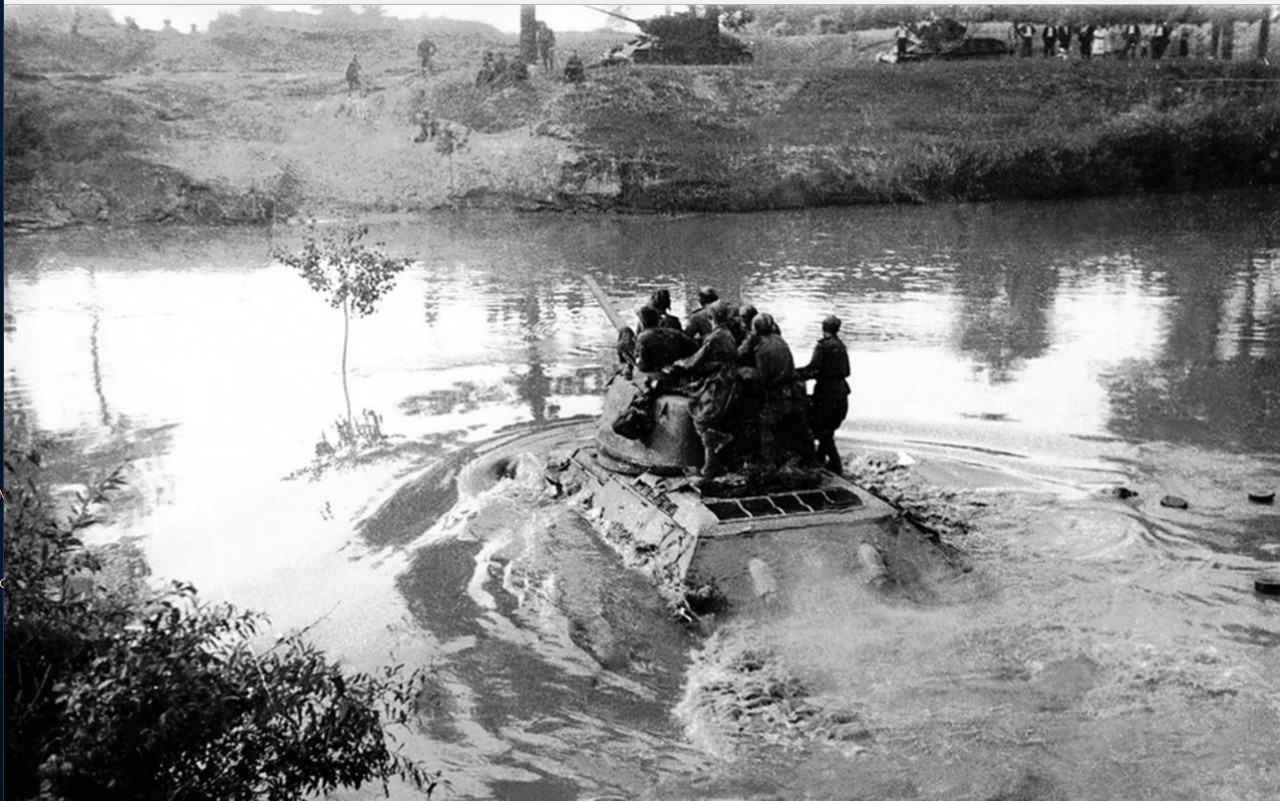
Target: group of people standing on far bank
x,y
1129,41
749,402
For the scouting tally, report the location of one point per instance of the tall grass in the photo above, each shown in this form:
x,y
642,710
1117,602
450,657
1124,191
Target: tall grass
x,y
935,131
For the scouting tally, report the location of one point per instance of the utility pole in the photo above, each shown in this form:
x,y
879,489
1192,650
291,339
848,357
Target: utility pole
x,y
529,34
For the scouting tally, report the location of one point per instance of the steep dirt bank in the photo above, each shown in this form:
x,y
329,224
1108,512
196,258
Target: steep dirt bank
x,y
232,145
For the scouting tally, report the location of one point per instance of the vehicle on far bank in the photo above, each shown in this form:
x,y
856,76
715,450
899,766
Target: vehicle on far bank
x,y
947,40
976,47
679,38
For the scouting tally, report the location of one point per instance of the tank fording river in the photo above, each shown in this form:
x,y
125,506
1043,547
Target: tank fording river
x,y
739,540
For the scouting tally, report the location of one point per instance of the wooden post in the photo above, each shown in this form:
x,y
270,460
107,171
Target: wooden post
x,y
1264,34
529,34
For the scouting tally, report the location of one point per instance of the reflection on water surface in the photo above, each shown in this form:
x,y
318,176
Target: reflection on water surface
x,y
1057,349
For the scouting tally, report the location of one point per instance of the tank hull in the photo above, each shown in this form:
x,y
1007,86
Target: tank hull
x,y
741,540
744,552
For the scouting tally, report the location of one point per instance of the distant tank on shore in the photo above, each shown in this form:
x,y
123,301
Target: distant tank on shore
x,y
684,37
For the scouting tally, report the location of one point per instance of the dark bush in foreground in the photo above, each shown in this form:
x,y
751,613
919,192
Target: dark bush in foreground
x,y
120,692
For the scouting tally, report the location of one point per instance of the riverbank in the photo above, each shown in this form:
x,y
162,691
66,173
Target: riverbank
x,y
220,143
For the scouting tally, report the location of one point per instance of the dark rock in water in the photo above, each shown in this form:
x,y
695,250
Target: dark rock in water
x,y
1173,502
1267,584
1123,493
1262,497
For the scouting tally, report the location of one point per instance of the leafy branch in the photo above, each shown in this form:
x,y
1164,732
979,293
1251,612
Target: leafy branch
x,y
353,277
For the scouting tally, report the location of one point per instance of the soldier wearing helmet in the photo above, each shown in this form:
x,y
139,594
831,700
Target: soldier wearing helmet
x,y
829,403
783,429
712,408
700,323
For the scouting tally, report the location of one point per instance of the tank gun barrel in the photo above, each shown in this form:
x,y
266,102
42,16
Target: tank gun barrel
x,y
615,14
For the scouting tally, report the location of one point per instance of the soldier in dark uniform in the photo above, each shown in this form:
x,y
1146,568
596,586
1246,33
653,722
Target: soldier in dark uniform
x,y
700,324
782,413
747,347
574,71
657,346
1085,37
713,362
486,73
903,38
661,300
546,42
1132,38
1064,38
1049,35
626,349
517,70
829,403
426,50
353,75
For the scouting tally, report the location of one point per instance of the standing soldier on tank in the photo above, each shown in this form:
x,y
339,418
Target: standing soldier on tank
x,y
657,346
700,324
782,413
661,300
426,50
713,363
829,403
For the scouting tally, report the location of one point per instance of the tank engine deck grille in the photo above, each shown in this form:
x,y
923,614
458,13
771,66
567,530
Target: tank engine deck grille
x,y
655,497
783,503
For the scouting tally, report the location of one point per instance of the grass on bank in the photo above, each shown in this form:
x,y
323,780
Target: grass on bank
x,y
245,146
750,138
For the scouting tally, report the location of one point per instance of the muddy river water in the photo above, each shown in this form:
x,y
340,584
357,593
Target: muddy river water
x,y
1027,358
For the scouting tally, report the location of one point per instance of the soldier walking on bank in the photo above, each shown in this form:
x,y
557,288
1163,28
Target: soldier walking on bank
x,y
546,42
829,403
426,51
353,75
